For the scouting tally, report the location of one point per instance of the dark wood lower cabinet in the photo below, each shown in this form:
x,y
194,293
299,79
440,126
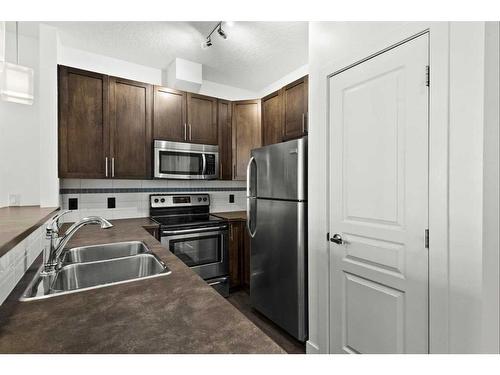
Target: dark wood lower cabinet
x,y
239,255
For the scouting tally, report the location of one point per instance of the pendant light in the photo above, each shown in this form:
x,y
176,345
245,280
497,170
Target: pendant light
x,y
16,81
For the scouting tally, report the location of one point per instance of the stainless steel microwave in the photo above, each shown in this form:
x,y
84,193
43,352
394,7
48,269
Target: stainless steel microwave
x,y
187,161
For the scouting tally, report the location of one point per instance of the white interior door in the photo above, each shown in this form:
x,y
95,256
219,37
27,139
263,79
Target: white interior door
x,y
379,203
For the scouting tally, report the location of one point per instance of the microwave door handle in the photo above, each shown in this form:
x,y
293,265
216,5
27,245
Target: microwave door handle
x,y
204,167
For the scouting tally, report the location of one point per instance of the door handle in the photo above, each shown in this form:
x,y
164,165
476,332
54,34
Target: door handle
x,y
190,133
112,167
185,131
337,238
106,166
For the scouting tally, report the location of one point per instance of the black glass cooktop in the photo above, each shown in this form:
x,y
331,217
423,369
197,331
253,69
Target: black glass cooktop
x,y
187,220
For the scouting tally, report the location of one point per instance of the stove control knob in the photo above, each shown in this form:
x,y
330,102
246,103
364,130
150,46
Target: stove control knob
x,y
156,200
162,200
199,199
205,199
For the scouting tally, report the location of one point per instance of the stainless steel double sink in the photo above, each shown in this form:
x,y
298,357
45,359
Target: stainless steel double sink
x,y
97,266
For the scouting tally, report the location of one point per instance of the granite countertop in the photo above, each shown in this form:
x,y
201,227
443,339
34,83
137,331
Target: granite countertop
x,y
177,313
17,223
232,216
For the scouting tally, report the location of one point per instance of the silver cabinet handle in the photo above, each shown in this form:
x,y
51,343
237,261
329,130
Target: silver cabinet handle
x,y
112,167
303,122
106,164
185,132
190,134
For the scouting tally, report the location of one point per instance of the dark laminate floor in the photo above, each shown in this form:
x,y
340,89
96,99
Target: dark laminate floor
x,y
241,300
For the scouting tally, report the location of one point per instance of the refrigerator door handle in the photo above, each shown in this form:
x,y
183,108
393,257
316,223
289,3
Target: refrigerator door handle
x,y
249,217
249,177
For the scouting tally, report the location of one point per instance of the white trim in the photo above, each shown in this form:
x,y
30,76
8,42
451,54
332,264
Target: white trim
x,y
312,348
438,171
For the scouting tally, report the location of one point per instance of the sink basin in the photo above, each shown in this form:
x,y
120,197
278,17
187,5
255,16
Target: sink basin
x,y
86,275
101,252
94,267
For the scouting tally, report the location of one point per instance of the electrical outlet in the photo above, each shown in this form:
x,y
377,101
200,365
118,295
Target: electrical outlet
x,y
231,198
73,204
111,202
14,199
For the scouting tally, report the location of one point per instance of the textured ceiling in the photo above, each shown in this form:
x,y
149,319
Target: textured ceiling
x,y
254,55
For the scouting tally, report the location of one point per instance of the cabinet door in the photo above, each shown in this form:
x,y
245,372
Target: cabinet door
x,y
202,119
225,141
169,123
295,109
83,123
235,240
272,118
130,122
246,134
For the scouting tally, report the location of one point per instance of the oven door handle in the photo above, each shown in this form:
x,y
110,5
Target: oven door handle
x,y
195,230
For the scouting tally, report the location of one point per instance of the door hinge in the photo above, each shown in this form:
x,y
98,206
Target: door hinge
x,y
427,238
428,75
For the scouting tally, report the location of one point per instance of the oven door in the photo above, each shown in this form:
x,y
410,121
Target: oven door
x,y
205,250
185,161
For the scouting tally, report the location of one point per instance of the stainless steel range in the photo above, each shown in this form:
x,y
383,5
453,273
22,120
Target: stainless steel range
x,y
197,238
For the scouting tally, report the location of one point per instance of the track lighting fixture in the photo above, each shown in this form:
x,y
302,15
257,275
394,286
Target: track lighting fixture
x,y
208,40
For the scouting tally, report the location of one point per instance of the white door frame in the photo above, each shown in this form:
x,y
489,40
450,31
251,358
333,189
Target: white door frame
x,y
438,167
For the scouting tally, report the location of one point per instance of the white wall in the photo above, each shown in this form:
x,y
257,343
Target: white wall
x,y
48,161
283,81
491,162
459,324
20,135
221,91
108,65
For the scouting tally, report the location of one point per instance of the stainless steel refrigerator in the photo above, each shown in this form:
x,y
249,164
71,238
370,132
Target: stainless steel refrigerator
x,y
277,224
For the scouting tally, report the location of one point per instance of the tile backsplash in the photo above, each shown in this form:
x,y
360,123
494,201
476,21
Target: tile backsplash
x,y
132,196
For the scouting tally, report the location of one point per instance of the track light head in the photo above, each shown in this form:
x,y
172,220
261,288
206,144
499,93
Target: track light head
x,y
207,43
221,32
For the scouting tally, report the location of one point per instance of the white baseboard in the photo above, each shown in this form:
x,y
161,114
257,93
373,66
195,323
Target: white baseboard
x,y
312,348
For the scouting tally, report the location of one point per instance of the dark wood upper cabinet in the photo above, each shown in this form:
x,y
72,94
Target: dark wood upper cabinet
x,y
225,140
169,121
130,107
246,135
202,119
295,96
272,118
83,123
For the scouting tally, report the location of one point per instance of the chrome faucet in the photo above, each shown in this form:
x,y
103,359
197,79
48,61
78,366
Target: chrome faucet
x,y
57,243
